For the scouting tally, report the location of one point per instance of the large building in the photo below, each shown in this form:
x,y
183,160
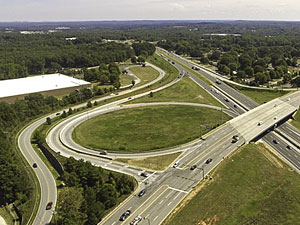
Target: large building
x,y
48,85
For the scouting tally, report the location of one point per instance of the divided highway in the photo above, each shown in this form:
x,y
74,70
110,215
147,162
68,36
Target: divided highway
x,y
165,190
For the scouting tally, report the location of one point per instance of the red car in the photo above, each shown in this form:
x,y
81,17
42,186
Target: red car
x,y
49,205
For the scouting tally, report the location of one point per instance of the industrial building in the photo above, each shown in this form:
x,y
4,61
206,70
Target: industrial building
x,y
48,85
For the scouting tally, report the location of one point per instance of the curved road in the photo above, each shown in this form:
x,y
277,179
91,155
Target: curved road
x,y
43,174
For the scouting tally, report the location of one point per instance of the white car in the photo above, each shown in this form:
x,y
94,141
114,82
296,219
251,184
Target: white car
x,y
176,164
136,220
260,123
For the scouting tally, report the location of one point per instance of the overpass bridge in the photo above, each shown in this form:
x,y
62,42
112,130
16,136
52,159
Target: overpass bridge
x,y
259,120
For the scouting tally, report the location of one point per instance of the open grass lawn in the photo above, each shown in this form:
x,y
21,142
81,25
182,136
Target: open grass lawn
x,y
183,91
146,128
296,122
125,79
260,96
146,74
251,187
152,163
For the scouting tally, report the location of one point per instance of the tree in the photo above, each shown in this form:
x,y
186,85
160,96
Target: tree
x,y
70,112
151,94
133,83
133,60
64,114
48,120
89,104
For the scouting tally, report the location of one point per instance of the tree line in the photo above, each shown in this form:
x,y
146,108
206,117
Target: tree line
x,y
21,55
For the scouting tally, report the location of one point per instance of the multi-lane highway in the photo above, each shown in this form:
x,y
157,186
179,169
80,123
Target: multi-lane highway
x,y
165,190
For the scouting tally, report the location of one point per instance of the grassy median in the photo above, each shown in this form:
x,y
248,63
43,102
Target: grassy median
x,y
153,163
185,90
146,128
251,187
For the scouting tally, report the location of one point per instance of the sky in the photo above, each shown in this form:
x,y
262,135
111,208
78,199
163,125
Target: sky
x,y
94,10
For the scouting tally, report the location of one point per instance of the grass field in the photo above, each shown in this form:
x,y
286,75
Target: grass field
x,y
251,187
184,91
153,163
146,128
296,122
260,96
125,79
146,74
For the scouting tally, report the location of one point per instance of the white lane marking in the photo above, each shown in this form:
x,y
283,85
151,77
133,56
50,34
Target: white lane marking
x,y
175,189
160,202
130,208
147,216
113,223
169,203
169,194
155,218
149,176
177,195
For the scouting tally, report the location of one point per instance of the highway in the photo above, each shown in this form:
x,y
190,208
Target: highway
x,y
166,189
45,178
291,134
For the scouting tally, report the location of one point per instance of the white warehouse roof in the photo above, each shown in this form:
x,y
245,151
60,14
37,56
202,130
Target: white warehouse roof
x,y
28,85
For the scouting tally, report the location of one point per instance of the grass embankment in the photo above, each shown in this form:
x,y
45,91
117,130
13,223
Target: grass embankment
x,y
296,121
146,128
125,80
259,95
251,187
146,74
184,91
152,163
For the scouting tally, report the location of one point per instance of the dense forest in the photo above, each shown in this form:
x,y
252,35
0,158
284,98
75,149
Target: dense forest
x,y
21,55
249,52
94,189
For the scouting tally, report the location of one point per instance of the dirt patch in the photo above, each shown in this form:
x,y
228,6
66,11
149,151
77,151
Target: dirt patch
x,y
200,97
209,221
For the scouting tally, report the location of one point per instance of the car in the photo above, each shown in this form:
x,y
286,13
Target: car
x,y
208,161
218,82
260,123
49,205
288,99
275,141
289,147
103,153
193,167
144,174
175,164
34,165
142,192
136,220
173,63
57,114
234,105
226,99
125,215
129,98
235,138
